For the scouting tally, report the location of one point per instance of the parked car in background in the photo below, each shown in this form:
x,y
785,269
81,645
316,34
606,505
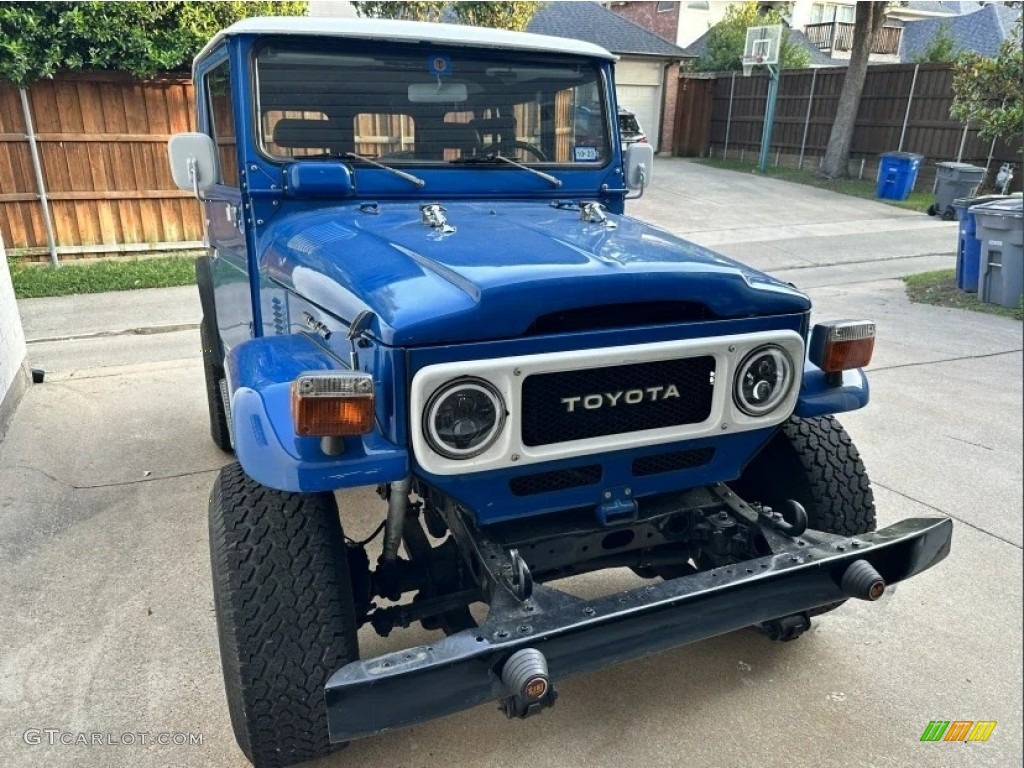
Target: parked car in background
x,y
629,128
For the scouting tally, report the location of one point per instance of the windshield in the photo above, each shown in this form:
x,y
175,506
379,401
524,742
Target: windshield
x,y
430,108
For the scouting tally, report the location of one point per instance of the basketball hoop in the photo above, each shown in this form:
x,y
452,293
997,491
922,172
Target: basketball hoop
x,y
748,65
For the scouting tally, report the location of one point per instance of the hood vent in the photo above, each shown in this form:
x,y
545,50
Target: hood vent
x,y
612,316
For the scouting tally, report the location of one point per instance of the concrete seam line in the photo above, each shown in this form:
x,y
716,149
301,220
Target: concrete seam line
x,y
119,483
945,360
148,330
868,261
947,514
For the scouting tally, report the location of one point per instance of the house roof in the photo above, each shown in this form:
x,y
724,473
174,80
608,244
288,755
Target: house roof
x,y
407,31
950,8
592,22
796,37
982,31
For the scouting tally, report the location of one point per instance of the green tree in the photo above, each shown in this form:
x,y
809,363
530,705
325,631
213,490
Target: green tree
x,y
989,93
38,39
723,50
941,48
503,15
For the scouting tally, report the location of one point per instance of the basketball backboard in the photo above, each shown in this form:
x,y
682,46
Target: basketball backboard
x,y
762,46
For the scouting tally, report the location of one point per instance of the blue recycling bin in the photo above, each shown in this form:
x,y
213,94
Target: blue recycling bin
x,y
968,252
897,173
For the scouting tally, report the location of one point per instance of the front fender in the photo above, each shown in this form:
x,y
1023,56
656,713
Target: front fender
x,y
820,398
260,372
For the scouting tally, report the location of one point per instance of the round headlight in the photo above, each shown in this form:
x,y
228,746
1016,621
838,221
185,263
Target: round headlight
x,y
463,418
763,380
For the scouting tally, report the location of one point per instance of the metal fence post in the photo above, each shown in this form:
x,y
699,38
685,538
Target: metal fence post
x,y
37,166
807,119
728,120
910,100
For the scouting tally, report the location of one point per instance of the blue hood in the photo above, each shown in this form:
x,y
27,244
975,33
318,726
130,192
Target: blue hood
x,y
506,264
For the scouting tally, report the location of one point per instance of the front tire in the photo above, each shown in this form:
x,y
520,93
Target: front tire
x,y
285,614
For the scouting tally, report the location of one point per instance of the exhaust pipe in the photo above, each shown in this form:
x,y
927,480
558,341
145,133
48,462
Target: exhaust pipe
x,y
862,581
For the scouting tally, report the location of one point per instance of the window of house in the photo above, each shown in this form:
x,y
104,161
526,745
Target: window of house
x,y
698,6
222,122
823,13
662,7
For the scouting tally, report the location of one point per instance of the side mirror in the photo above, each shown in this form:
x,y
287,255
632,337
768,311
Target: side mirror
x,y
193,159
639,165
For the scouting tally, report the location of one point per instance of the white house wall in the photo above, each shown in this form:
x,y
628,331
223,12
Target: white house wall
x,y
13,377
638,88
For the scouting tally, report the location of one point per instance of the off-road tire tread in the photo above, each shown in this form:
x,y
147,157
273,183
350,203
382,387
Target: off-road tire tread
x,y
285,615
213,373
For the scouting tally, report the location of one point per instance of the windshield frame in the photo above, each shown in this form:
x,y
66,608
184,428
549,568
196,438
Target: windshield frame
x,y
318,45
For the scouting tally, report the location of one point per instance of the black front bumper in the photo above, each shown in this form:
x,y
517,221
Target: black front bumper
x,y
461,671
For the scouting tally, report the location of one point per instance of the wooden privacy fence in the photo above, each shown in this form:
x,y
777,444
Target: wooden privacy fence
x,y
100,165
904,107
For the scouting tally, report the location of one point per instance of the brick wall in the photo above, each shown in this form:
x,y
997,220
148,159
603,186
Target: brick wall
x,y
668,118
13,378
646,14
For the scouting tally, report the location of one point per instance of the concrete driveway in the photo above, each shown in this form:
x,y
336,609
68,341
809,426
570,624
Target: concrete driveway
x,y
104,579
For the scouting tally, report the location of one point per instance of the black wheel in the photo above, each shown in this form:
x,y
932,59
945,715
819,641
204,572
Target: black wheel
x,y
214,375
285,614
949,214
814,462
932,210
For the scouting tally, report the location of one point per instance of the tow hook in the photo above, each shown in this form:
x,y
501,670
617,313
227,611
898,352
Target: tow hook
x,y
525,674
792,524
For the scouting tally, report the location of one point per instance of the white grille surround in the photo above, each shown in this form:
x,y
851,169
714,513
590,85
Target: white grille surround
x,y
507,374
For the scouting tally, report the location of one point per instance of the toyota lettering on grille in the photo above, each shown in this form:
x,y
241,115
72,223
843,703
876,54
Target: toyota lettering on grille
x,y
600,400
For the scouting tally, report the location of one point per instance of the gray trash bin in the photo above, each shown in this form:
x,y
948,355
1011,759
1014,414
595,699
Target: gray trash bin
x,y
954,180
1000,228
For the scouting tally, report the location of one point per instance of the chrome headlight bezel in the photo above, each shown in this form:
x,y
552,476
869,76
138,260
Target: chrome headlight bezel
x,y
438,397
781,393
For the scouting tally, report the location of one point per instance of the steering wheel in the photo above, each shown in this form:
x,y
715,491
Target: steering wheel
x,y
535,151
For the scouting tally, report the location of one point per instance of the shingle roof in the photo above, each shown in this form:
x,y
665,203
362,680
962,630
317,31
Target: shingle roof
x,y
796,37
943,6
982,31
593,23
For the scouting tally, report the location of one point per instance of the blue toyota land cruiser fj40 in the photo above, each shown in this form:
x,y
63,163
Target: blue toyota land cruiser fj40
x,y
420,278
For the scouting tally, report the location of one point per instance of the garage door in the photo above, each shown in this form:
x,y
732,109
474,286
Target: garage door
x,y
638,89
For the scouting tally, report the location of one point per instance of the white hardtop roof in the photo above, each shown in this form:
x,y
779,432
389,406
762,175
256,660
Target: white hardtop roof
x,y
408,32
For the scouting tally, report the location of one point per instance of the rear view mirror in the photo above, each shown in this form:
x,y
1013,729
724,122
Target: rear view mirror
x,y
639,165
193,159
437,93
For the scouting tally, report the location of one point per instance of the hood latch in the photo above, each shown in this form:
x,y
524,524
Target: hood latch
x,y
432,215
593,213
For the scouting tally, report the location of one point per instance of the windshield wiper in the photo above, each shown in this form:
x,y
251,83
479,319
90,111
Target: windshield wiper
x,y
501,158
400,174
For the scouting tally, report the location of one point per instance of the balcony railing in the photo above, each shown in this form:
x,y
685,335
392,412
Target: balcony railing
x,y
837,36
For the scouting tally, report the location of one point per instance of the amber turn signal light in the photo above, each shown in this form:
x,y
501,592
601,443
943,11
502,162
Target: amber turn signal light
x,y
332,404
842,345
